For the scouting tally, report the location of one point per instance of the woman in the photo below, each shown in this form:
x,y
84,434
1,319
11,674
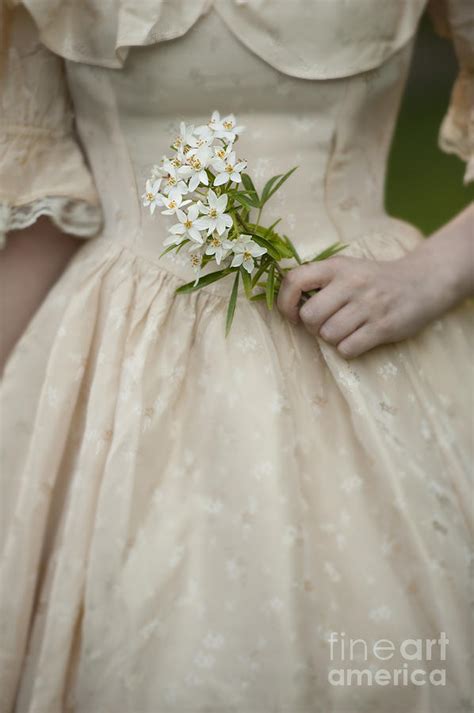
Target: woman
x,y
195,523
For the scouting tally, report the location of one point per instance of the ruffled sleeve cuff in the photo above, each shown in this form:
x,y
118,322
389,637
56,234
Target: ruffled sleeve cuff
x,y
41,174
43,170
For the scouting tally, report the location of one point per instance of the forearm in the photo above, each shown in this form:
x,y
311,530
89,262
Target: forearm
x,y
30,264
449,255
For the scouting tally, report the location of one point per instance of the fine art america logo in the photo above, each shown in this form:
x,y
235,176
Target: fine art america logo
x,y
414,660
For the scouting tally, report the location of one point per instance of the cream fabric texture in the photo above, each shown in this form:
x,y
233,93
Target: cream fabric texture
x,y
186,518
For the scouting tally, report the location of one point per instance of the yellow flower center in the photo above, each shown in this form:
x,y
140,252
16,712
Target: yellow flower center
x,y
229,168
195,260
188,224
149,197
228,125
171,180
176,162
172,204
186,148
215,242
247,255
196,164
213,213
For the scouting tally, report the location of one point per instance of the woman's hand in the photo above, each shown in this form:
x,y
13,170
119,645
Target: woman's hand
x,y
363,303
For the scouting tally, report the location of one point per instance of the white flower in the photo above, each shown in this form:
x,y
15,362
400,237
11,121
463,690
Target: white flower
x,y
186,136
245,250
219,246
200,141
156,172
216,218
174,204
171,179
205,133
225,128
189,226
195,256
152,196
160,170
197,160
209,130
221,151
228,169
228,129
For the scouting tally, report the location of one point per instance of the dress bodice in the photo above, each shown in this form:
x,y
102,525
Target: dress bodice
x,y
316,84
337,131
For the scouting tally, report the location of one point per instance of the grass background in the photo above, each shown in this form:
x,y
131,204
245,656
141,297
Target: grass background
x,y
424,185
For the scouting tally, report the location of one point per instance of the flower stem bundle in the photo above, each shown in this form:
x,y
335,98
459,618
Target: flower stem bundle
x,y
217,212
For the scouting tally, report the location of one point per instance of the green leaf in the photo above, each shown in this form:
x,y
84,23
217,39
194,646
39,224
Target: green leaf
x,y
232,303
293,249
260,296
279,245
245,200
247,281
248,183
262,268
274,184
267,188
269,290
281,182
271,250
329,252
232,192
251,190
269,230
205,280
174,246
168,249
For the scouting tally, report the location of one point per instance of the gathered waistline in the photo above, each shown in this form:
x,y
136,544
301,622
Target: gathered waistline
x,y
374,244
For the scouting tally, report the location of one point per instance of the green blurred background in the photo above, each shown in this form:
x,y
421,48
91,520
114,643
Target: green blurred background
x,y
425,185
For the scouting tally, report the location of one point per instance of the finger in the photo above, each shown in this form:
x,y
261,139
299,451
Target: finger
x,y
341,324
299,280
365,338
319,308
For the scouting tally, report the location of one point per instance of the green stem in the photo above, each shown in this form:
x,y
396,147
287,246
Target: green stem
x,y
279,269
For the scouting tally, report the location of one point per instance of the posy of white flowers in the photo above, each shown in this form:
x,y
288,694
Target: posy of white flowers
x,y
202,187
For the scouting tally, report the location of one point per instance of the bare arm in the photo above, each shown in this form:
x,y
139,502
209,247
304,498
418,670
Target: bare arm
x,y
363,303
30,264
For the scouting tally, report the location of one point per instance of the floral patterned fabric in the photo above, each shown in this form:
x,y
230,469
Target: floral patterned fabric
x,y
187,518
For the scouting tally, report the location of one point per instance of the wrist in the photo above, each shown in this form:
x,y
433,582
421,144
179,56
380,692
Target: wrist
x,y
446,269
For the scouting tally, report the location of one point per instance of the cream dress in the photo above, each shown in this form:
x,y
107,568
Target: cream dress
x,y
186,518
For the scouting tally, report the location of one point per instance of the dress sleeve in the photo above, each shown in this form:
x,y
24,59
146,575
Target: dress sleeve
x,y
42,167
454,19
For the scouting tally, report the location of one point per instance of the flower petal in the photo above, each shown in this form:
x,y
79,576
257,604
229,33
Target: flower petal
x,y
249,265
195,235
220,179
221,203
